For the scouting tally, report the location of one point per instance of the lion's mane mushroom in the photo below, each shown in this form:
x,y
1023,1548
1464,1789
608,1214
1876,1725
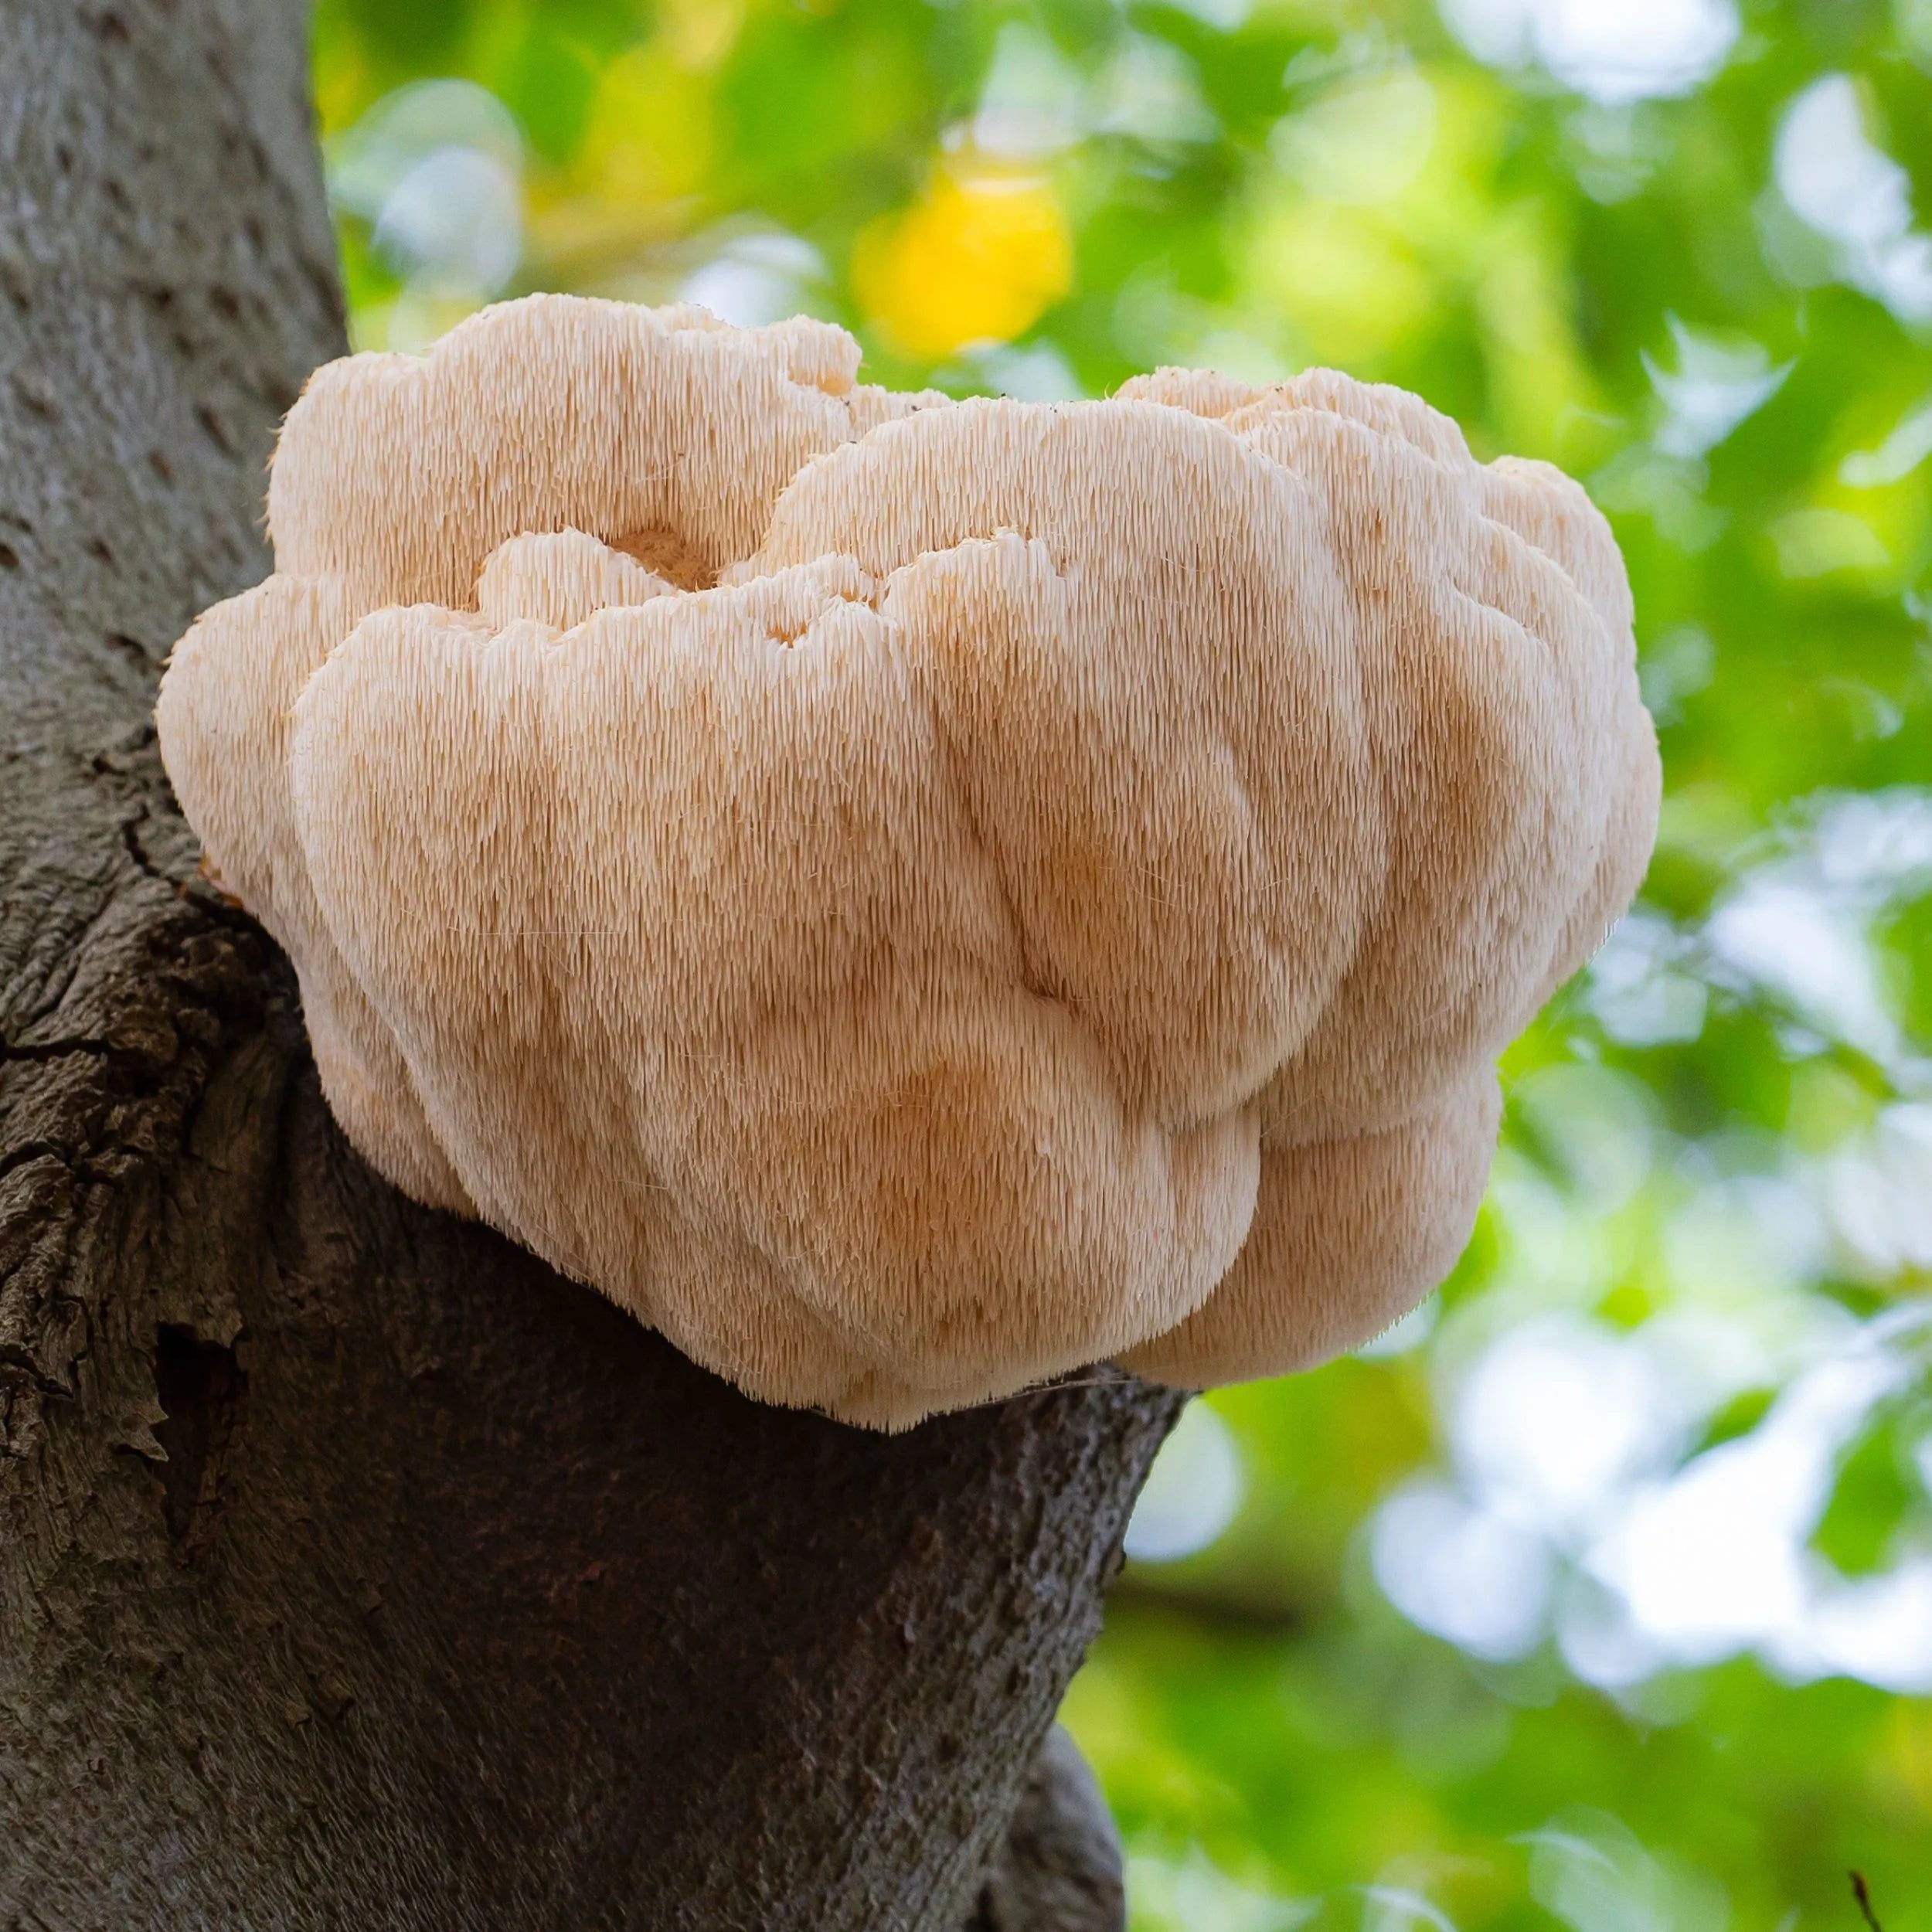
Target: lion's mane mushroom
x,y
912,897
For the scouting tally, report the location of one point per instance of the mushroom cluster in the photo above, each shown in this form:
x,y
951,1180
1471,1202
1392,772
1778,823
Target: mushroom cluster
x,y
912,897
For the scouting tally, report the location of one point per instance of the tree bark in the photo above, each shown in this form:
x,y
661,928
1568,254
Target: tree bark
x,y
1058,1866
354,1569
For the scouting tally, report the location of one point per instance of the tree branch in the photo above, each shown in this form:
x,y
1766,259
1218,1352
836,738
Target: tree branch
x,y
351,1564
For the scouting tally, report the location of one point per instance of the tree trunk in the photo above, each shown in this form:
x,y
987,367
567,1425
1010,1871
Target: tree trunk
x,y
355,1570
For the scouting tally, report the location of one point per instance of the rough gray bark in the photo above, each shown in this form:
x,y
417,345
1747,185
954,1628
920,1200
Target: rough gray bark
x,y
1058,1866
355,1570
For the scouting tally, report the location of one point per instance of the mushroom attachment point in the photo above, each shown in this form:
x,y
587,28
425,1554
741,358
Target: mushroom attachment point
x,y
911,898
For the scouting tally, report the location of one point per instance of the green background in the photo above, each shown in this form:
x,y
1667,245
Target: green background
x,y
1600,1593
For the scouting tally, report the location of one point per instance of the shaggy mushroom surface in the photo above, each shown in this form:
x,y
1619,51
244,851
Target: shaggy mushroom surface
x,y
912,897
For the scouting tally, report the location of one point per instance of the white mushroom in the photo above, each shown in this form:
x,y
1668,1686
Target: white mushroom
x,y
911,898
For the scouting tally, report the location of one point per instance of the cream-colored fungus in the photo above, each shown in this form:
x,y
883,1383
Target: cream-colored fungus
x,y
911,897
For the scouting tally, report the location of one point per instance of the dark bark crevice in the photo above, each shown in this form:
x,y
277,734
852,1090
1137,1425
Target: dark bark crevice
x,y
354,1568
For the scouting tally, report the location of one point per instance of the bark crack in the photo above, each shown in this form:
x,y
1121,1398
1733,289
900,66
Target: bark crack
x,y
200,1386
37,1052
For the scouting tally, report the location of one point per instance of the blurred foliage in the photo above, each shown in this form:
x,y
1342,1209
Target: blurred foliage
x,y
1600,1592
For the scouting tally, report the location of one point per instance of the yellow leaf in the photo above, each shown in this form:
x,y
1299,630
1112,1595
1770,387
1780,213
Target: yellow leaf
x,y
979,259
